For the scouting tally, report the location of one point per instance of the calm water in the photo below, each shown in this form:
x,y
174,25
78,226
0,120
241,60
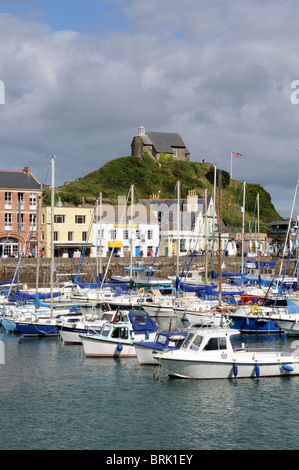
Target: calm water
x,y
52,397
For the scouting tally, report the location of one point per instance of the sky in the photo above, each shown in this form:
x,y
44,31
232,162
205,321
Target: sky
x,y
80,76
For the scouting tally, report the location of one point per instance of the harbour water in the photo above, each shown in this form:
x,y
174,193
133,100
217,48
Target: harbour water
x,y
53,398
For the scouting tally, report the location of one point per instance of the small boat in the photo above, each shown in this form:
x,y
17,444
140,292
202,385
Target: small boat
x,y
158,305
116,339
72,328
143,277
207,353
164,341
40,327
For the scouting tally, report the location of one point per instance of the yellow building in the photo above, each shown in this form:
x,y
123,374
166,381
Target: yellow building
x,y
73,230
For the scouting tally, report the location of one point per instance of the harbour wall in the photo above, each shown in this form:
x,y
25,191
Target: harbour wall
x,y
66,268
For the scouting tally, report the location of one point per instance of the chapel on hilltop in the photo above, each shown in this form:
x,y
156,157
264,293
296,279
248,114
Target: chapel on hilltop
x,y
157,143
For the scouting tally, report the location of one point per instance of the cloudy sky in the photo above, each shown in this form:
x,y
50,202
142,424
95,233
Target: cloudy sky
x,y
80,76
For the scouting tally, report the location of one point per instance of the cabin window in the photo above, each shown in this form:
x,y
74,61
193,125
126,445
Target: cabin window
x,y
120,333
105,330
188,340
196,343
215,344
162,339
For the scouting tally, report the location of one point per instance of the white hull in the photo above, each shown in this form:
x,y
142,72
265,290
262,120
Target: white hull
x,y
205,318
70,337
246,367
145,355
97,348
289,326
158,311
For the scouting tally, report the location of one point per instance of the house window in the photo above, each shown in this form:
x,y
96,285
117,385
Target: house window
x,y
80,219
8,200
138,234
113,234
21,200
32,199
149,234
175,154
59,219
56,236
70,236
126,234
84,236
8,221
22,224
32,218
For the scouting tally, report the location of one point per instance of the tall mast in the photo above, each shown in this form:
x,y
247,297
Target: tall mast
x,y
52,227
178,229
219,239
243,223
206,236
131,223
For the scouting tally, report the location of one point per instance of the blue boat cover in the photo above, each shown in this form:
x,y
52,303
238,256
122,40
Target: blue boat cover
x,y
141,322
18,295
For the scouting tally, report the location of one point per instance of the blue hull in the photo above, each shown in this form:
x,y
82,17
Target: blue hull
x,y
34,329
254,325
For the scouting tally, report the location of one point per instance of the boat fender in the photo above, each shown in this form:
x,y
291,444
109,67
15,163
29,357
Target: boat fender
x,y
257,370
147,334
255,308
119,347
235,369
287,367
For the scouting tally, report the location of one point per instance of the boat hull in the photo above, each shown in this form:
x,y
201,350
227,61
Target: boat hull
x,y
228,369
159,311
72,335
254,324
95,347
37,329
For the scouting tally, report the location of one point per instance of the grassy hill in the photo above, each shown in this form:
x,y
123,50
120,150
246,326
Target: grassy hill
x,y
116,176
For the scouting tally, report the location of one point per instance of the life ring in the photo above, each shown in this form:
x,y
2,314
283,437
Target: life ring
x,y
255,309
142,290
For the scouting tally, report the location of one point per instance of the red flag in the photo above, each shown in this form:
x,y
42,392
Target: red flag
x,y
235,154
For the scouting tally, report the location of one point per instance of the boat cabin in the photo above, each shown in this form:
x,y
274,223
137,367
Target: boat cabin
x,y
209,339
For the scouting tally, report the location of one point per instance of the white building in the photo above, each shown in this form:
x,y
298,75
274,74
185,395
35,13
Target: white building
x,y
195,228
113,231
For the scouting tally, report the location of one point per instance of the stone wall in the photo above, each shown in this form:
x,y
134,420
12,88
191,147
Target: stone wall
x,y
66,268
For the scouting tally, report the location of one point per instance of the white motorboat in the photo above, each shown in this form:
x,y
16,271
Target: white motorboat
x,y
207,353
72,328
116,339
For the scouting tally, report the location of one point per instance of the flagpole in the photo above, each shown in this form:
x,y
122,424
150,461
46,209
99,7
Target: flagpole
x,y
231,165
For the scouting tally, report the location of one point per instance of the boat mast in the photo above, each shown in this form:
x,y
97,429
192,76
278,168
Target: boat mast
x,y
131,223
219,240
38,243
206,237
243,221
214,206
52,228
178,230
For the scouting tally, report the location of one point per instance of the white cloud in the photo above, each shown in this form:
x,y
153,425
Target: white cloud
x,y
218,72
